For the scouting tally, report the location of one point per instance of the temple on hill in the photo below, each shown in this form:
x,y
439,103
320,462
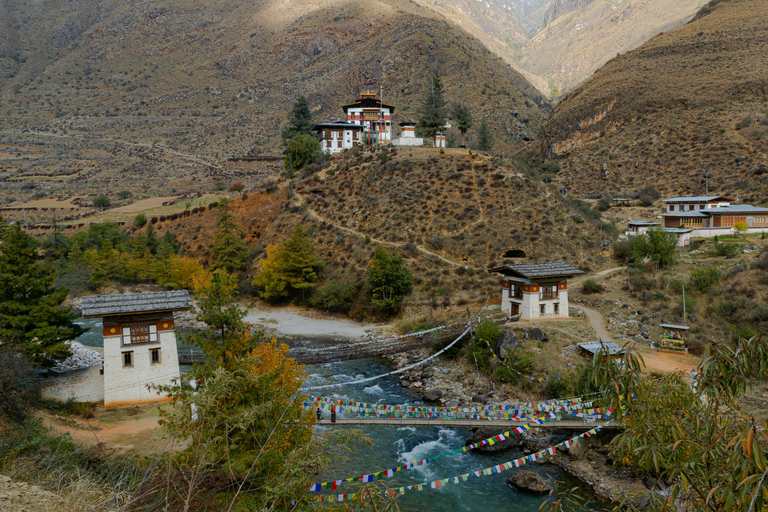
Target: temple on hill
x,y
373,115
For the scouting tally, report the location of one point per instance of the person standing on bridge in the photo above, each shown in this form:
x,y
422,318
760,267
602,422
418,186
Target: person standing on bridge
x,y
333,414
319,415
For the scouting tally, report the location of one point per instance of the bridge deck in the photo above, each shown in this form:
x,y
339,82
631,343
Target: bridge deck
x,y
442,422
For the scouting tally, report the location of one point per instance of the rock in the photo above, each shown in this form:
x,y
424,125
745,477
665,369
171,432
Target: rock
x,y
482,433
433,395
506,344
539,335
529,481
478,398
655,485
646,319
644,328
579,449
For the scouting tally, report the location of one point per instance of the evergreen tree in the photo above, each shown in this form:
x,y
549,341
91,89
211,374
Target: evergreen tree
x,y
168,245
33,319
151,240
463,119
300,122
390,280
290,268
432,112
484,137
229,250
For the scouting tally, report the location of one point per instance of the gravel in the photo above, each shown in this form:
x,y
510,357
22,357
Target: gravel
x,y
81,357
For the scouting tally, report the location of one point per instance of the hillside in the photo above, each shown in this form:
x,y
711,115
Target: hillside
x,y
102,95
688,102
557,44
450,215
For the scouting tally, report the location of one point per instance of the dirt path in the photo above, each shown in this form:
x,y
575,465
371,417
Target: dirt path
x,y
583,278
291,321
363,235
597,322
21,496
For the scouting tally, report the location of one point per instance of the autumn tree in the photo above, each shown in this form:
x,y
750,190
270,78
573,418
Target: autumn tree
x,y
33,318
290,269
389,279
463,119
229,251
432,111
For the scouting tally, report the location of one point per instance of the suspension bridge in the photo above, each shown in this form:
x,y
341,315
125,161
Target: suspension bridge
x,y
468,423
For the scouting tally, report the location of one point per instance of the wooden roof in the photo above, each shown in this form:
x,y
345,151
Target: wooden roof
x,y
133,303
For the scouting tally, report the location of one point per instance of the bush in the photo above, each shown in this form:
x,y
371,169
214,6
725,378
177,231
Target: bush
x,y
504,374
19,386
547,178
103,201
689,303
725,249
621,251
140,220
124,194
590,286
488,330
604,204
744,123
646,200
704,279
335,295
649,191
559,386
553,166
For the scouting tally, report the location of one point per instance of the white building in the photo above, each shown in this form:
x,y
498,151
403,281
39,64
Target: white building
x,y
536,290
338,136
408,135
683,204
139,343
373,115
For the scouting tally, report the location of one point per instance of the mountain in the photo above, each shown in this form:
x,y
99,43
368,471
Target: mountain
x,y
689,102
557,44
106,93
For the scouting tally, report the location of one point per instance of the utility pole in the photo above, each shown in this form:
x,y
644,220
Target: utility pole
x,y
684,321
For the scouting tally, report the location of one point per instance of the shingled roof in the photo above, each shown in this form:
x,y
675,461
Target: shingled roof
x,y
538,270
132,303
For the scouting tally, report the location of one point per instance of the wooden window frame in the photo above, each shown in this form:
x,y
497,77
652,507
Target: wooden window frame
x,y
131,363
152,353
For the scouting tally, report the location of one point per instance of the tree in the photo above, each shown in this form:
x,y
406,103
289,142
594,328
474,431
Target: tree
x,y
302,151
484,137
656,245
741,227
299,123
389,278
103,200
33,318
151,239
290,268
432,112
711,452
229,251
463,119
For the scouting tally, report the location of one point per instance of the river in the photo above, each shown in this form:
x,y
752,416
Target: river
x,y
395,446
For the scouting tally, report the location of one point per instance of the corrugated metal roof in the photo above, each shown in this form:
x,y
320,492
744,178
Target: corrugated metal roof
x,y
698,199
674,326
677,230
338,124
643,223
537,270
737,208
690,213
594,347
130,303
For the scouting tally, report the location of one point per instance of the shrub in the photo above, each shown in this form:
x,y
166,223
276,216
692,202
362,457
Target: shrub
x,y
590,286
219,186
504,374
237,187
621,251
124,194
704,279
19,384
488,330
604,204
744,123
547,178
646,200
102,201
559,386
725,249
140,220
471,271
689,304
335,295
649,191
553,166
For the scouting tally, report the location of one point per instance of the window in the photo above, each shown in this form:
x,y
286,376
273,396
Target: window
x,y
557,309
543,309
701,207
127,359
548,293
154,356
515,291
146,333
671,207
691,207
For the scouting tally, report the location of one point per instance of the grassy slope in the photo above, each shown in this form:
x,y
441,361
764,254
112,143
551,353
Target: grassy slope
x,y
669,111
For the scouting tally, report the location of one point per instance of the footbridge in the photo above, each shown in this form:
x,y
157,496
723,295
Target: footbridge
x,y
468,423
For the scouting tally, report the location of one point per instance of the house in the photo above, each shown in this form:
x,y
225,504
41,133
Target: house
x,y
408,135
717,220
139,342
682,204
373,115
536,290
640,227
337,136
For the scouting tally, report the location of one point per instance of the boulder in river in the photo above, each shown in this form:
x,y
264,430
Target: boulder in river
x,y
506,344
539,335
433,395
529,481
578,449
482,433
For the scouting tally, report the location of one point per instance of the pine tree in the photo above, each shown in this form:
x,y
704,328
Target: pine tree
x,y
300,122
33,319
151,240
389,278
229,250
432,112
484,137
290,269
463,119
